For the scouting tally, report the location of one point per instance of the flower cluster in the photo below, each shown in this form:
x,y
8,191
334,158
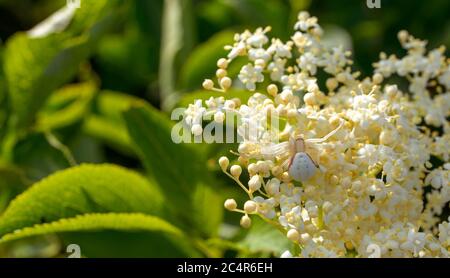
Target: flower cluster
x,y
374,165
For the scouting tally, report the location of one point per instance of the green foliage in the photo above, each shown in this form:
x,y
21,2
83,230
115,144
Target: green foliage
x,y
75,192
31,77
195,70
180,168
107,124
12,183
264,239
97,221
66,106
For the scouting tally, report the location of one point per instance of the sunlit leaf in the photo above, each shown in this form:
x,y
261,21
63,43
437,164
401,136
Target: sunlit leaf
x,y
80,190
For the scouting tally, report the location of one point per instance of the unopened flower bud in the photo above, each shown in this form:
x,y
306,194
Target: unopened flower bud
x,y
208,84
246,222
254,183
272,89
222,63
230,204
224,162
236,171
250,207
225,82
293,235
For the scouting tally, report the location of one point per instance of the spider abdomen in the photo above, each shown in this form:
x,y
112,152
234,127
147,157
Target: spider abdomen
x,y
302,167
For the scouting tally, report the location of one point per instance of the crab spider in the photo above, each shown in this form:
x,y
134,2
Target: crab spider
x,y
301,166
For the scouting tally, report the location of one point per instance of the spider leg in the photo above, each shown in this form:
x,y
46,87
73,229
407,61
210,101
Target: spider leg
x,y
326,137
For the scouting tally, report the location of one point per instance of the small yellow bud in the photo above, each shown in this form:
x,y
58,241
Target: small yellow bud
x,y
230,204
208,84
277,170
341,77
293,235
348,245
377,78
221,73
243,160
250,207
222,63
272,90
331,84
236,171
402,35
225,82
246,222
224,162
334,180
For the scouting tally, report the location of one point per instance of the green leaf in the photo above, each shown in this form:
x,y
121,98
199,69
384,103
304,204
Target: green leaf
x,y
265,238
162,238
112,133
207,209
179,169
66,106
37,158
176,167
80,190
195,69
12,183
97,221
107,123
34,67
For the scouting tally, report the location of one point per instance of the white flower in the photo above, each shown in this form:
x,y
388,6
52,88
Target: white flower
x,y
258,39
250,75
308,62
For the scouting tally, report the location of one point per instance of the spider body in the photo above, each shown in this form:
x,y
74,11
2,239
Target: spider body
x,y
301,166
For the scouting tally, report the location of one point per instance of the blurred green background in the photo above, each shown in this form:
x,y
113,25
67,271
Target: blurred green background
x,y
58,112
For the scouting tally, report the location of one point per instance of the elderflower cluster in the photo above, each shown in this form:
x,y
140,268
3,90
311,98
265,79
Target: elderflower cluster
x,y
383,166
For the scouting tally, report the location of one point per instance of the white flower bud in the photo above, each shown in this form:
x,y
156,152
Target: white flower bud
x,y
293,235
221,73
331,84
377,78
236,171
272,90
230,204
225,82
208,84
222,63
403,35
254,183
246,222
250,207
224,162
